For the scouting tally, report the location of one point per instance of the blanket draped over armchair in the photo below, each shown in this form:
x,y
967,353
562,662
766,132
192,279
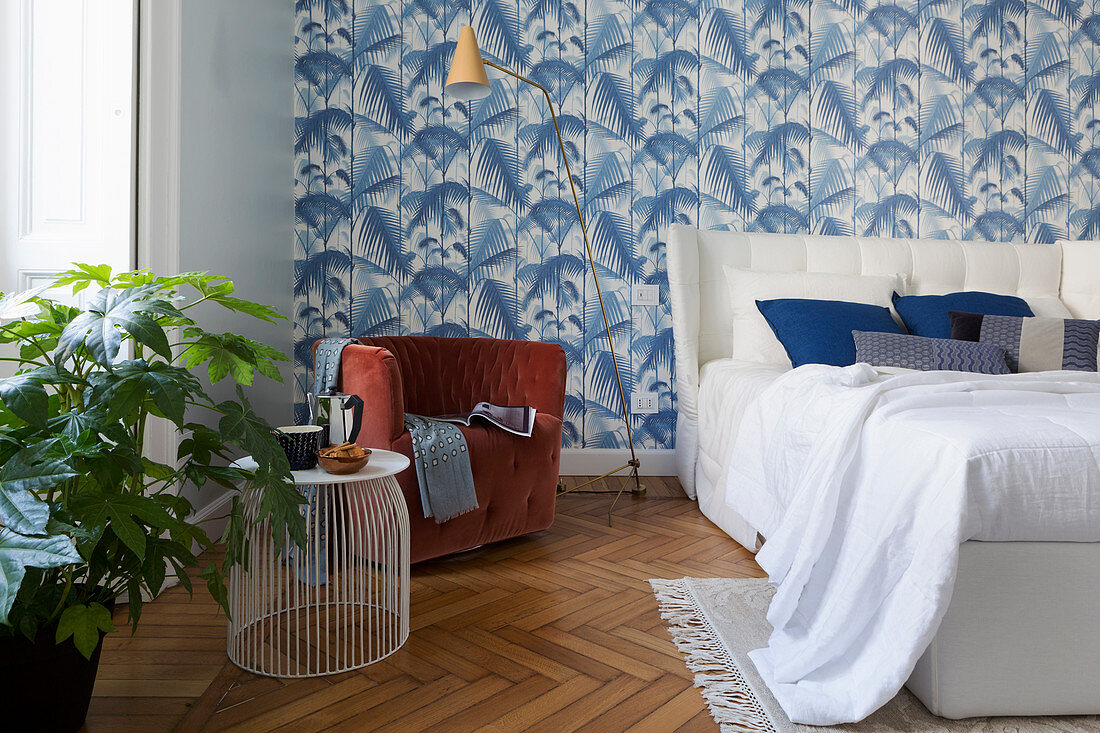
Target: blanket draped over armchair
x,y
515,477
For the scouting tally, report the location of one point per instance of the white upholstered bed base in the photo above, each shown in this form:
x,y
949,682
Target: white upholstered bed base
x,y
1021,636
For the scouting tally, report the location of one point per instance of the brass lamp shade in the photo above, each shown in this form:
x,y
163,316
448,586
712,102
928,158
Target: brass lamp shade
x,y
467,79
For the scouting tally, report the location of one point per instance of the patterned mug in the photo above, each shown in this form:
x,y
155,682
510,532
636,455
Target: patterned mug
x,y
300,443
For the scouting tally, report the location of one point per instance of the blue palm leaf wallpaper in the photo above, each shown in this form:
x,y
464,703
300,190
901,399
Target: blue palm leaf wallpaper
x,y
419,214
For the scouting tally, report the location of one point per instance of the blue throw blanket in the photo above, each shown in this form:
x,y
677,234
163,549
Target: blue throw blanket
x,y
326,367
442,464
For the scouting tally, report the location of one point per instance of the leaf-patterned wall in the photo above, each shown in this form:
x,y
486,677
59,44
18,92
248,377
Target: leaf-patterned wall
x,y
419,214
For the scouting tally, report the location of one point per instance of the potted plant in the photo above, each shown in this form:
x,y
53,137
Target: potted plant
x,y
85,515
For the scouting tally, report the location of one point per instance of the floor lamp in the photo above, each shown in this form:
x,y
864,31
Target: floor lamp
x,y
467,81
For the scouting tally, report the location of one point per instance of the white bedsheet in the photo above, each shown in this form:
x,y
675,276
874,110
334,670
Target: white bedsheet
x,y
865,487
726,388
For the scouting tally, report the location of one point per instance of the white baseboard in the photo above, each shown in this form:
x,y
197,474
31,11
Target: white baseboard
x,y
215,530
597,461
219,506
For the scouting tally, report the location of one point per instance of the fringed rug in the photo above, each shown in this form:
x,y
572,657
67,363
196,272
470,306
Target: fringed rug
x,y
716,622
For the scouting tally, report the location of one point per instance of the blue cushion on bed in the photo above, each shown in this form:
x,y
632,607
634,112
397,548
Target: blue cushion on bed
x,y
820,331
927,354
926,315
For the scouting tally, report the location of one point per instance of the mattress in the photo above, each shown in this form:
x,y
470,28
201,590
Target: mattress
x,y
726,387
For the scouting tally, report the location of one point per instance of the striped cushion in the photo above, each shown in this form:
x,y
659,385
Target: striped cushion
x,y
928,354
1034,344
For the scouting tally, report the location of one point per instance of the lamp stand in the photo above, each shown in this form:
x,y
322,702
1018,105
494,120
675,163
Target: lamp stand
x,y
638,489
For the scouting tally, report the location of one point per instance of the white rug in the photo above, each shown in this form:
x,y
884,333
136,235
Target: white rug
x,y
716,622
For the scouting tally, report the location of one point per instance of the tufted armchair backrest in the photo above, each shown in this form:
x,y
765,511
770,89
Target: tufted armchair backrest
x,y
446,375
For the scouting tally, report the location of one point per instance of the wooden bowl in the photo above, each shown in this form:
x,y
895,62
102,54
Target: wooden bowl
x,y
342,466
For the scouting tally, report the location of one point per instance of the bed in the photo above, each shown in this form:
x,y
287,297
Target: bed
x,y
1012,601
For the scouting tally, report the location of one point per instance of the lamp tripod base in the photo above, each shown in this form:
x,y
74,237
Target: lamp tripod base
x,y
637,490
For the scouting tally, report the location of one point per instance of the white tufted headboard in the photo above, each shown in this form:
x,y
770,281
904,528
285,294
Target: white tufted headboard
x,y
1056,280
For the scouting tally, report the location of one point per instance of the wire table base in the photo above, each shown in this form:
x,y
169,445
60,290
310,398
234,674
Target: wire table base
x,y
342,601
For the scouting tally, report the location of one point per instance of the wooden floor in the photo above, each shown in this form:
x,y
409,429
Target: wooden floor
x,y
553,632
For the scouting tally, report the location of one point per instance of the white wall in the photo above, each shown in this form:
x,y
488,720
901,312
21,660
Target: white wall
x,y
236,164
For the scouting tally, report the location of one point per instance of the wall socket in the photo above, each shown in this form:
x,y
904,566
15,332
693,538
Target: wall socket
x,y
645,294
643,403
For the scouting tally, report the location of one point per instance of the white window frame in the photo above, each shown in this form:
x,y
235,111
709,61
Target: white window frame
x,y
158,59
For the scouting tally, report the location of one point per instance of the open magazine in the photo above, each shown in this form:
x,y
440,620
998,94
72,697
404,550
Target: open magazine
x,y
517,420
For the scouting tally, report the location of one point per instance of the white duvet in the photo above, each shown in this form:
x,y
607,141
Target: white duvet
x,y
865,486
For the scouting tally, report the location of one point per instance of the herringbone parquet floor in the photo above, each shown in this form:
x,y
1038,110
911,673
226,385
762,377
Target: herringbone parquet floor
x,y
553,632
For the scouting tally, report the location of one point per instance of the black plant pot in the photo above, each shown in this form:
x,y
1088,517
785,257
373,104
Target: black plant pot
x,y
45,686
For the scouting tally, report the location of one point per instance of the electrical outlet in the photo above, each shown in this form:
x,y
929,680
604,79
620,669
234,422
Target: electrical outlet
x,y
643,403
645,294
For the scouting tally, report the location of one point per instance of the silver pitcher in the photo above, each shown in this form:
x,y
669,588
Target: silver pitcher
x,y
341,414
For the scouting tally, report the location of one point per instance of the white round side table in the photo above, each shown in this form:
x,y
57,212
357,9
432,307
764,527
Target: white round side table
x,y
342,601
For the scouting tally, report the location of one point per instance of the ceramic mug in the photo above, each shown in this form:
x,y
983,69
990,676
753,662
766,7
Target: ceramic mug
x,y
300,443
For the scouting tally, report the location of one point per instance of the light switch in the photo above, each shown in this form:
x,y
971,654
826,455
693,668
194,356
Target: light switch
x,y
645,294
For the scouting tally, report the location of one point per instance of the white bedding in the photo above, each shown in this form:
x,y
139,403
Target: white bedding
x,y
833,467
726,388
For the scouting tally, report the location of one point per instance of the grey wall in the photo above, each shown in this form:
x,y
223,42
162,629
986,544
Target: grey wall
x,y
236,207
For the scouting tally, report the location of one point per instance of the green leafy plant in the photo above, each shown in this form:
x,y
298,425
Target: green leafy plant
x,y
85,515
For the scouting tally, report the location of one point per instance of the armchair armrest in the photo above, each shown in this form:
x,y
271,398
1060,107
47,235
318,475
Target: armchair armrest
x,y
372,373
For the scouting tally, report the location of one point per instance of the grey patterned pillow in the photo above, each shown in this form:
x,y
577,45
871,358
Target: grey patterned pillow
x,y
928,354
1034,344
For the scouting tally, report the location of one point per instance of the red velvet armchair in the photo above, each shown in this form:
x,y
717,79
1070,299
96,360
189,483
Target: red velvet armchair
x,y
515,477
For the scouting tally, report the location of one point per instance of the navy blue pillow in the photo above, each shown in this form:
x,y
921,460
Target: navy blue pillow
x,y
820,331
926,315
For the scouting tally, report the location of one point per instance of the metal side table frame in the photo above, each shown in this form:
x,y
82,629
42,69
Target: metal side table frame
x,y
341,602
